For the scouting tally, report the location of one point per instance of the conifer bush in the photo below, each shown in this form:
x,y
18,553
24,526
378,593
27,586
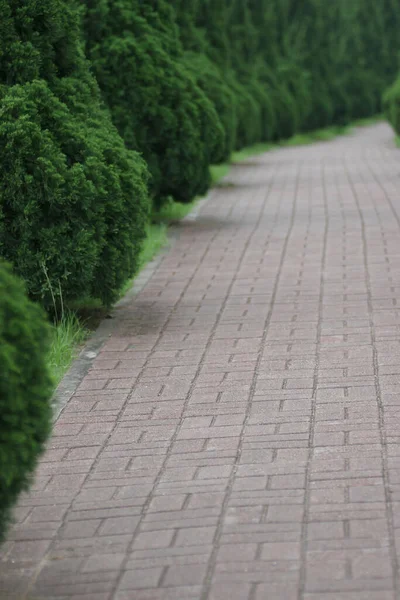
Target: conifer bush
x,y
285,109
154,100
391,104
248,110
25,390
193,22
73,199
211,81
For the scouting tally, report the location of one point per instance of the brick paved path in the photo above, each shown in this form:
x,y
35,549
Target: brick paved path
x,y
238,437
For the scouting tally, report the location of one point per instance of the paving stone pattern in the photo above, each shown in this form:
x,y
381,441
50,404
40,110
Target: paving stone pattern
x,y
238,435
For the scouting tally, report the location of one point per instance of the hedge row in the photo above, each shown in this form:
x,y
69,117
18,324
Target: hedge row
x,y
391,102
25,390
110,106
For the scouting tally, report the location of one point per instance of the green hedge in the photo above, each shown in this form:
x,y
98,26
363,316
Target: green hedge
x,y
25,391
73,199
154,100
306,65
212,82
391,105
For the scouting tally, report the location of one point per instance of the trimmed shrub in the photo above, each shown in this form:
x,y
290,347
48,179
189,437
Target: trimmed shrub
x,y
391,105
211,81
286,110
322,109
191,15
154,101
25,391
73,199
248,111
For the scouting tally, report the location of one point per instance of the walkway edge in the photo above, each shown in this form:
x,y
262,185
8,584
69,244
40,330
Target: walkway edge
x,y
83,362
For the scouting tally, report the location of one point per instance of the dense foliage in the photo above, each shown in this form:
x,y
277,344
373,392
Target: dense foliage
x,y
391,103
154,101
25,390
73,199
290,65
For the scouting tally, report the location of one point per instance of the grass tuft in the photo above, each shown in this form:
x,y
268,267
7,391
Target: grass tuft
x,y
245,153
68,336
171,212
368,121
156,240
320,135
218,172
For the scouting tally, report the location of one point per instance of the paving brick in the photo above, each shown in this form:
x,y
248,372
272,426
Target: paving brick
x,y
103,562
177,575
81,529
194,536
280,551
141,578
161,539
116,525
227,591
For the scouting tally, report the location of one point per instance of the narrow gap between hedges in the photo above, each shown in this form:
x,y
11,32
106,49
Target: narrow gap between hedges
x,y
81,319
